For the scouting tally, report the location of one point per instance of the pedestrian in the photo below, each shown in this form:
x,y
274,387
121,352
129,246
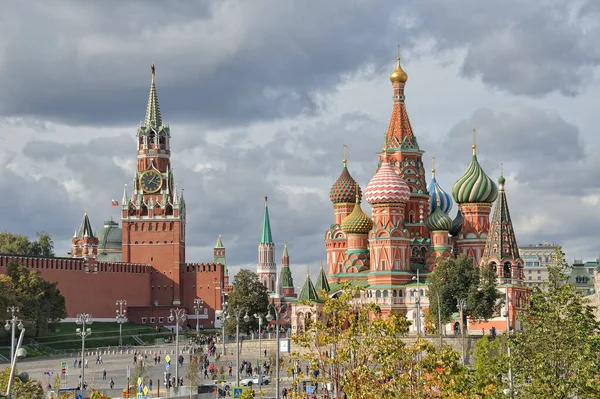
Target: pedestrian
x,y
265,353
134,359
150,383
111,384
284,392
104,374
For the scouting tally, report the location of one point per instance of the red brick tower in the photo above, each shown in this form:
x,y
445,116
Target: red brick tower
x,y
285,275
343,195
266,268
501,253
406,159
153,219
84,242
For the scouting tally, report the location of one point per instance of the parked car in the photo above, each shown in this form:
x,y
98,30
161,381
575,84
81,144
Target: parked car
x,y
207,388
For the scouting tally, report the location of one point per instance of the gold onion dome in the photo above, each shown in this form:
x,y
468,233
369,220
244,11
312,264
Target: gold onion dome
x,y
357,222
438,221
398,75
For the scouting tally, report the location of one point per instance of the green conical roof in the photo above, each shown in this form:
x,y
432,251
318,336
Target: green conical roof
x,y
85,230
153,116
266,237
501,235
308,292
219,243
285,251
322,283
474,186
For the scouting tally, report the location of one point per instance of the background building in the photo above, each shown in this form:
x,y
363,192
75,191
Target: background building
x,y
536,258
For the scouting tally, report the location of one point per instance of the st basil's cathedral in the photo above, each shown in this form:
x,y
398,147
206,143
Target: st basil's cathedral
x,y
390,254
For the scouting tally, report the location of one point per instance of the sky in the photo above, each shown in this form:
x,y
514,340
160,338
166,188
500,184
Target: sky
x,y
261,96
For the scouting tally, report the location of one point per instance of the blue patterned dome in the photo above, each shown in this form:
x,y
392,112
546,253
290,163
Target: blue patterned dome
x,y
435,192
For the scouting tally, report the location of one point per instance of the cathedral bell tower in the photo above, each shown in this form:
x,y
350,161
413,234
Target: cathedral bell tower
x,y
153,218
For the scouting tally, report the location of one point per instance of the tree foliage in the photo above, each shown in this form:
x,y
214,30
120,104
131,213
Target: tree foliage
x,y
40,301
19,244
31,389
460,278
192,375
360,352
556,355
248,295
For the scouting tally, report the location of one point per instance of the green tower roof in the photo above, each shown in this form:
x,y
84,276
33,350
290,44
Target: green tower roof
x,y
266,237
322,283
219,243
308,292
153,116
86,228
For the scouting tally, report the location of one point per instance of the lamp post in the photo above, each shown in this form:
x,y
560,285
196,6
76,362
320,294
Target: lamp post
x,y
178,316
238,313
84,320
507,314
223,306
121,318
197,306
11,323
20,353
461,303
418,302
439,319
277,310
259,316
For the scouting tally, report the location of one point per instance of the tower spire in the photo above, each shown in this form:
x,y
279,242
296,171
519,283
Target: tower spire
x,y
433,167
153,116
474,146
266,237
345,160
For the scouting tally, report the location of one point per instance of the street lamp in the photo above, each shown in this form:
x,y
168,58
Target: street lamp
x,y
121,318
277,310
11,323
238,313
197,306
506,313
178,316
83,319
223,306
20,353
418,302
259,316
461,304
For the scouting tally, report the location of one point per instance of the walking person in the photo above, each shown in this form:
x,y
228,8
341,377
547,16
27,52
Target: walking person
x,y
111,384
104,374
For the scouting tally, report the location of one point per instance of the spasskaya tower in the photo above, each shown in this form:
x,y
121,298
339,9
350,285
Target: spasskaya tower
x,y
153,218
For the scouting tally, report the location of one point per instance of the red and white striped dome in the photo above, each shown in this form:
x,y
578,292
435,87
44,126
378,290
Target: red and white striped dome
x,y
386,187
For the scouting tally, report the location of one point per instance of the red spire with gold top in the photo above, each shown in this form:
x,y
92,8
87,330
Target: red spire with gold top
x,y
399,132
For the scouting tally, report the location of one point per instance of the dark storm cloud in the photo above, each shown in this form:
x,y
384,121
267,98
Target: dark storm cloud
x,y
232,62
540,146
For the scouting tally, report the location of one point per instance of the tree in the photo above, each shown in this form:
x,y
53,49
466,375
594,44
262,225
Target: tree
x,y
40,301
19,244
193,373
460,278
31,389
141,370
248,295
556,355
360,352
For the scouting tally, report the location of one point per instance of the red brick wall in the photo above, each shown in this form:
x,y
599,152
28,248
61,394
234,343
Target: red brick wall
x,y
93,293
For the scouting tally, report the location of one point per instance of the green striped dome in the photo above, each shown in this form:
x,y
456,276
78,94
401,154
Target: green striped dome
x,y
474,186
438,221
357,222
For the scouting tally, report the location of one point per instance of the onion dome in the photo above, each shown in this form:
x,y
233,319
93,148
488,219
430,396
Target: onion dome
x,y
357,222
474,185
398,75
438,195
456,224
386,186
344,188
438,221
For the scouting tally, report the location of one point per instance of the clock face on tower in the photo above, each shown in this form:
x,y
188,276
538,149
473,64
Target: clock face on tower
x,y
151,181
